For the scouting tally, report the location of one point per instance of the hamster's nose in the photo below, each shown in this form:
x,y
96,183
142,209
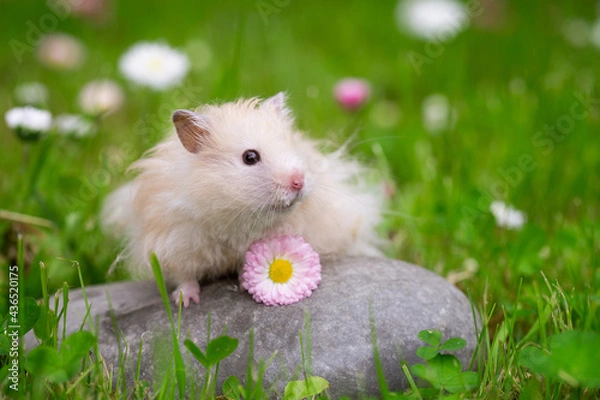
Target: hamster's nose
x,y
297,181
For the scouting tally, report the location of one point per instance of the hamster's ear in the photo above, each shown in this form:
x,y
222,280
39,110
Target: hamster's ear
x,y
192,129
278,103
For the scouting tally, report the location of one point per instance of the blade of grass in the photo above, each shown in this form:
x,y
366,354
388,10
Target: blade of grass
x,y
33,176
383,387
45,296
21,295
308,335
249,377
541,322
121,379
58,314
65,308
479,332
139,359
44,282
88,306
230,82
162,288
303,356
74,385
26,219
411,381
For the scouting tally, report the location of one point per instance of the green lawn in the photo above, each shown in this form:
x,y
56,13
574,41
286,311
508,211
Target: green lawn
x,y
508,83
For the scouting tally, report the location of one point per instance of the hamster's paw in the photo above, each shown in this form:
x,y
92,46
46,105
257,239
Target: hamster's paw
x,y
241,288
189,290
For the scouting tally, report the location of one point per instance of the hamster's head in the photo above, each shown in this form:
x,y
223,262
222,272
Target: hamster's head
x,y
245,156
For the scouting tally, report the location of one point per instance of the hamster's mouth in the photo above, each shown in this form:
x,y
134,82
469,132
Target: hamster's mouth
x,y
284,206
288,203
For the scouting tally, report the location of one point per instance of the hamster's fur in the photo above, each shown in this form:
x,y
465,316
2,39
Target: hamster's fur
x,y
200,200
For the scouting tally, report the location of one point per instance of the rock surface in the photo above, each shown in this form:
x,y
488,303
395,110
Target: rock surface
x,y
404,300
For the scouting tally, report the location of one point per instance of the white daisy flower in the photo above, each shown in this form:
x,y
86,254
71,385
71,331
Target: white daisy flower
x,y
74,125
155,65
101,97
34,93
507,216
436,113
29,123
432,19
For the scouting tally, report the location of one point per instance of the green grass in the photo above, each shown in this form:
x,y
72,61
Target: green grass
x,y
530,285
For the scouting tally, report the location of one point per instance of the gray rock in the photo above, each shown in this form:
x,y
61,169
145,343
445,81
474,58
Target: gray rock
x,y
404,300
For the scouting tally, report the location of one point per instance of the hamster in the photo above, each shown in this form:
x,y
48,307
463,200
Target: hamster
x,y
229,175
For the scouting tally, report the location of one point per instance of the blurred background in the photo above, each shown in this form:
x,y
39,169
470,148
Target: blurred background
x,y
483,117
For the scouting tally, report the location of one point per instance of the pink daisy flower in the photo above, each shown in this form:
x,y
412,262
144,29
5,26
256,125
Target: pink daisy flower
x,y
281,270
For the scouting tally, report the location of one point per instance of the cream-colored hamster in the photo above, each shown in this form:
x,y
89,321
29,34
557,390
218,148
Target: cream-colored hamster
x,y
232,174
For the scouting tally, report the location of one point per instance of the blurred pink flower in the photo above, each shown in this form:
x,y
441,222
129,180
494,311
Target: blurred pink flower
x,y
93,9
61,51
281,270
492,14
352,93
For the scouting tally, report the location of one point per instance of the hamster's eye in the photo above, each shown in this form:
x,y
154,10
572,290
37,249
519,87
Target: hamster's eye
x,y
251,157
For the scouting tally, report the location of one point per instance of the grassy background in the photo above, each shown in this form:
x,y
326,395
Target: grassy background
x,y
505,84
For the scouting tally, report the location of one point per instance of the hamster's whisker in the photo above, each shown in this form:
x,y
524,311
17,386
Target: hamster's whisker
x,y
323,205
336,191
248,208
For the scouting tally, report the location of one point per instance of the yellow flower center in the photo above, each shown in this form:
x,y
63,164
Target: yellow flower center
x,y
156,65
280,271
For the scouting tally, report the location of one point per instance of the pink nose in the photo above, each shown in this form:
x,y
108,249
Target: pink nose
x,y
297,181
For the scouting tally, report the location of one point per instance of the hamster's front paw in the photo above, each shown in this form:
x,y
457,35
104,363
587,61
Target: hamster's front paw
x,y
189,290
241,288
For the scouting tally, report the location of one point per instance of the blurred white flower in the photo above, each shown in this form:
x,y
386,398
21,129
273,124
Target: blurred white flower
x,y
431,19
28,118
155,65
507,216
595,34
576,32
61,51
74,125
436,113
101,97
33,93
29,123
